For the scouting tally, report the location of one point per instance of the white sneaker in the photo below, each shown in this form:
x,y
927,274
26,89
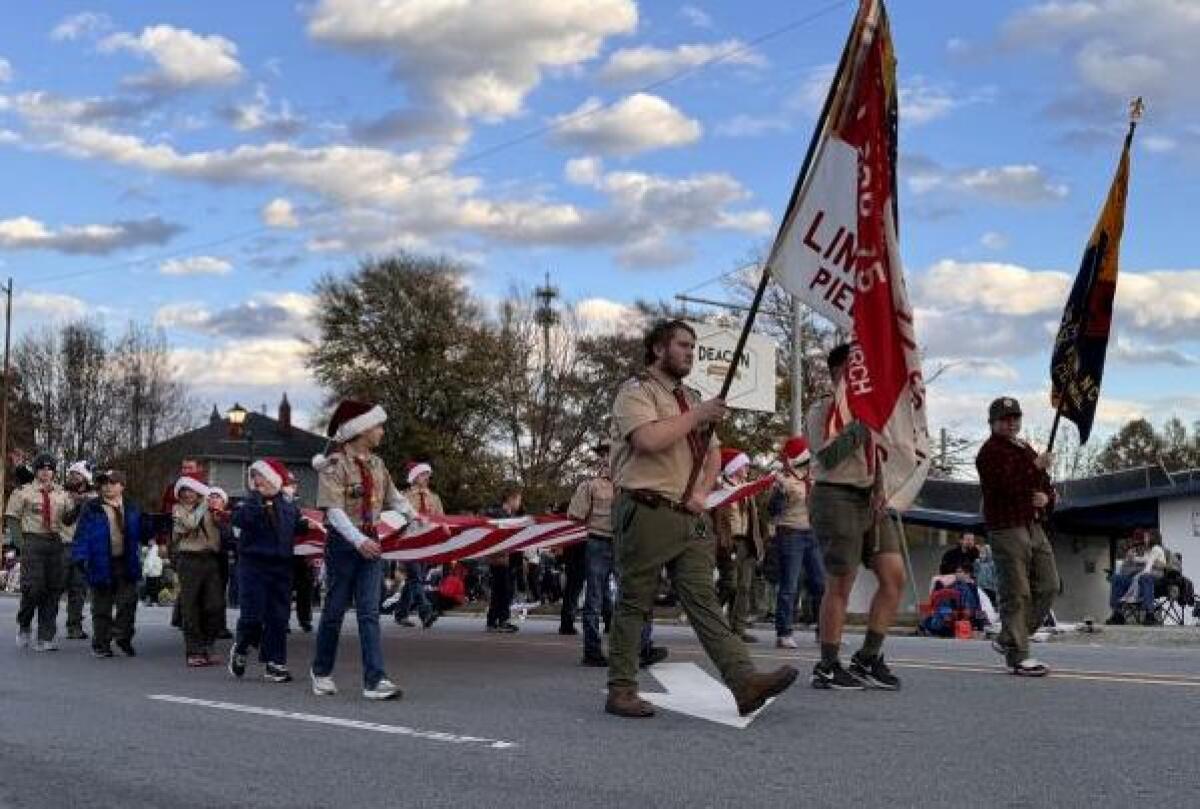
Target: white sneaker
x,y
45,645
785,643
384,689
322,686
23,639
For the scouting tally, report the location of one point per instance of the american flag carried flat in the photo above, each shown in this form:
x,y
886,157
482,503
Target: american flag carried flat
x,y
443,539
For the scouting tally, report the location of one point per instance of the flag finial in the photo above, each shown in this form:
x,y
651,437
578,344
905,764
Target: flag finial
x,y
1136,108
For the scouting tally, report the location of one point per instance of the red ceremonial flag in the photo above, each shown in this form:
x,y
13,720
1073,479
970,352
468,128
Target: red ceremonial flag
x,y
841,230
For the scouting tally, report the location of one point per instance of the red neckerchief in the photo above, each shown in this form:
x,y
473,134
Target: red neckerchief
x,y
46,523
368,496
695,441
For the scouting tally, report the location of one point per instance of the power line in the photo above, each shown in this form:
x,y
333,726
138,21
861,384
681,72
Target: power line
x,y
478,155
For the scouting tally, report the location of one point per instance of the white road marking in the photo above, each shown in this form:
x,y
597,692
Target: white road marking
x,y
692,691
395,730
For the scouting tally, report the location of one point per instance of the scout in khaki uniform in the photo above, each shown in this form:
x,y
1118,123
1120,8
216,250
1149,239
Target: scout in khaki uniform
x,y
848,518
592,505
1017,498
795,545
739,535
79,489
427,504
108,539
353,489
35,515
195,552
662,470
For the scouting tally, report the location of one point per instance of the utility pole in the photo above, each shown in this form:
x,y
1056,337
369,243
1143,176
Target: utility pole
x,y
8,292
797,367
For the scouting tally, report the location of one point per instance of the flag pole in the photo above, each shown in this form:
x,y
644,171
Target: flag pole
x,y
1136,108
818,132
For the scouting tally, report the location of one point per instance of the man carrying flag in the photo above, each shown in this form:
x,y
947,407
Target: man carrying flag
x,y
1077,365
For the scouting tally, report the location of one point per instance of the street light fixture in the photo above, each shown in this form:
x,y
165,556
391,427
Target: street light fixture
x,y
237,419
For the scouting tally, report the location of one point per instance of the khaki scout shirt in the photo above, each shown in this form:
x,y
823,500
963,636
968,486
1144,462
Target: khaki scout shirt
x,y
116,528
645,399
851,472
425,501
76,506
25,504
592,504
795,505
340,485
194,531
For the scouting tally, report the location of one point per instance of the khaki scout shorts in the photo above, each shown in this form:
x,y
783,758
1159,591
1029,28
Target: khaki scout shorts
x,y
842,520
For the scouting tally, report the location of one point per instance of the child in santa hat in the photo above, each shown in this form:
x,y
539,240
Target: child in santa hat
x,y
740,535
267,523
195,552
353,489
427,504
795,543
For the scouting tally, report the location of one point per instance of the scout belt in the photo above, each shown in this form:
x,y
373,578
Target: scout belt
x,y
654,500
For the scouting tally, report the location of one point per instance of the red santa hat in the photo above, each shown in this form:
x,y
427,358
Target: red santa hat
x,y
219,492
272,470
795,450
414,470
733,460
187,482
350,419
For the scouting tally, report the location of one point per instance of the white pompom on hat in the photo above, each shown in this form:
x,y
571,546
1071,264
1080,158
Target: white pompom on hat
x,y
81,468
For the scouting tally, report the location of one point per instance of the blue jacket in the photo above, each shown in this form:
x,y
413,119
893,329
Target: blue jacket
x,y
264,537
92,542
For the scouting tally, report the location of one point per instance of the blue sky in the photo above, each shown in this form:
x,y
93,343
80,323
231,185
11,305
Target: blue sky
x,y
199,165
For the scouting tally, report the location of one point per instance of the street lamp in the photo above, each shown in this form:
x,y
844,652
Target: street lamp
x,y
237,420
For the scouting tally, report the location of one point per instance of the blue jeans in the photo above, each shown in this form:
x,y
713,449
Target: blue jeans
x,y
1121,584
350,574
599,559
413,595
798,552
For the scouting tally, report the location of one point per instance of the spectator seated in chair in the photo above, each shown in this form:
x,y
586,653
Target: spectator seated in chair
x,y
1133,585
953,598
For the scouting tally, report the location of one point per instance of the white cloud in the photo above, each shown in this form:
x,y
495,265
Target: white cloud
x,y
265,314
747,126
195,265
696,16
275,363
475,59
922,101
44,306
385,200
1137,353
809,97
604,316
85,24
1006,289
183,58
1158,144
993,240
638,123
279,213
584,170
6,71
1017,184
646,64
26,233
258,116
1119,48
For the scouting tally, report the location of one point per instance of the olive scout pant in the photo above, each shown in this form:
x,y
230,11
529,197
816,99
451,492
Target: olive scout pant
x,y
1027,582
646,538
43,577
119,595
201,600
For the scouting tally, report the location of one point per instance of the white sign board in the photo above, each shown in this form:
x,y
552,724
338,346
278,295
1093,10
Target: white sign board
x,y
754,384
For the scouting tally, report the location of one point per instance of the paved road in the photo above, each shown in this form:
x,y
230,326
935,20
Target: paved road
x,y
495,722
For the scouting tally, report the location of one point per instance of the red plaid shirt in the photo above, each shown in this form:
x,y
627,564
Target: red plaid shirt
x,y
1008,477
